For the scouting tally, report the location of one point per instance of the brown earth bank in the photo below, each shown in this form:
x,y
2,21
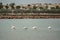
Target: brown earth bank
x,y
29,15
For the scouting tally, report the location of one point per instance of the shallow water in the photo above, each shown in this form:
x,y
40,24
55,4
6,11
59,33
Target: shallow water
x,y
42,32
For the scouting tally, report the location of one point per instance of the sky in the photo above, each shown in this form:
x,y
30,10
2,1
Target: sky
x,y
29,1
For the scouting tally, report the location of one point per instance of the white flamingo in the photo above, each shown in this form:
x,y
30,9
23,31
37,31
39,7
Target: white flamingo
x,y
49,28
25,28
34,27
13,27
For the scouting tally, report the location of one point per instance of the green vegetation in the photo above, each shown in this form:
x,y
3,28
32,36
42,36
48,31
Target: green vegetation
x,y
12,5
1,5
30,10
18,7
6,6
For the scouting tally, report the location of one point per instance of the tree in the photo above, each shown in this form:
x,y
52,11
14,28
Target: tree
x,y
46,7
28,5
1,5
57,7
18,7
7,6
50,4
34,7
52,7
41,7
12,5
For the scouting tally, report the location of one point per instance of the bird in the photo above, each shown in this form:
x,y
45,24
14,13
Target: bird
x,y
34,27
49,27
25,28
13,27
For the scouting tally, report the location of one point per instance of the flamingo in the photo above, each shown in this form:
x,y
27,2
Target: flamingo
x,y
25,28
13,27
34,27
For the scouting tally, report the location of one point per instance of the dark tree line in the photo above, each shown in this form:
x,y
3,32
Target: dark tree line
x,y
31,10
